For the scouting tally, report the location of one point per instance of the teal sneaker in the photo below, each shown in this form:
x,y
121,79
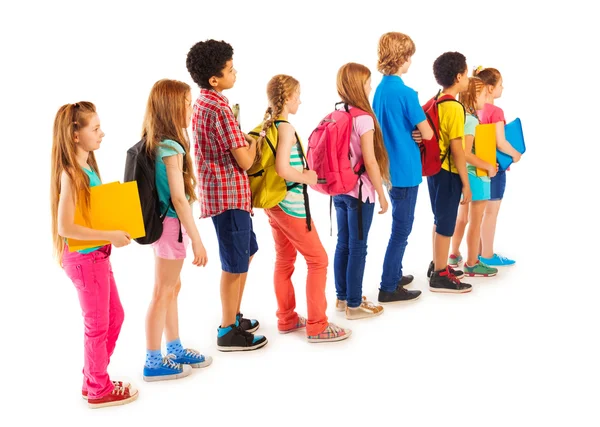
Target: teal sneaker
x,y
497,261
454,260
480,270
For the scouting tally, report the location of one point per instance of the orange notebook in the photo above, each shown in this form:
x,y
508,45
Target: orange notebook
x,y
113,206
485,145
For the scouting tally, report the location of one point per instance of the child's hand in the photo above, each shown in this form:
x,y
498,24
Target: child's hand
x,y
383,203
119,238
200,257
466,192
249,139
416,135
517,157
310,176
492,171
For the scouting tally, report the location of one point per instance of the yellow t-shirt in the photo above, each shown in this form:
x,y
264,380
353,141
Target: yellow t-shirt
x,y
452,126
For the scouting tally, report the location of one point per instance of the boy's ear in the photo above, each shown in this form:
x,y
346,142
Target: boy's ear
x,y
213,81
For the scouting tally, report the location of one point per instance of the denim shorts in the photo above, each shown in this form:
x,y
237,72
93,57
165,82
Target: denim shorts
x,y
498,185
237,241
445,190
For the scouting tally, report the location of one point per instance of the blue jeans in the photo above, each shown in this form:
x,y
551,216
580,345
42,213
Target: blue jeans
x,y
350,252
404,200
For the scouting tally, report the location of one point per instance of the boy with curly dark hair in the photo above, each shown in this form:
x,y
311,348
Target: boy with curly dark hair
x,y
446,187
223,154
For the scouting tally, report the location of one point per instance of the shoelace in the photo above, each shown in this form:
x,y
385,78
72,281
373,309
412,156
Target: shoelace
x,y
169,363
502,258
452,277
192,352
118,390
368,304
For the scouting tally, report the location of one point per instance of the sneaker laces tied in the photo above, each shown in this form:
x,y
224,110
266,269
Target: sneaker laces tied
x,y
169,363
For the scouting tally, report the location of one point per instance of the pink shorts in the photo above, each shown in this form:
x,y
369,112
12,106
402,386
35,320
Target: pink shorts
x,y
168,247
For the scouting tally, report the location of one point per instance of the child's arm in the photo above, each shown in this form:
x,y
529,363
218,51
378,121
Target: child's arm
x,y
458,157
66,219
472,159
285,141
425,128
174,166
244,156
368,152
503,145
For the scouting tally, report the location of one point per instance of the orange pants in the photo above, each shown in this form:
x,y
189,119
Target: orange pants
x,y
291,236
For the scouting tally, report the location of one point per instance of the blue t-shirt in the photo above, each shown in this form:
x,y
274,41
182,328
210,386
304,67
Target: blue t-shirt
x,y
94,181
166,148
398,111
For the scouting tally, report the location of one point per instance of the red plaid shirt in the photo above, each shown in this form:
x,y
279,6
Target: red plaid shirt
x,y
222,184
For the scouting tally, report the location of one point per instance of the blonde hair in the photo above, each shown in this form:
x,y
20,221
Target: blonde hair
x,y
69,119
279,89
165,119
393,51
468,98
351,79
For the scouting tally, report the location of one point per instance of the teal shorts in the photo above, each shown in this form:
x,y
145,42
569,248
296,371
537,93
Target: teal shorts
x,y
480,189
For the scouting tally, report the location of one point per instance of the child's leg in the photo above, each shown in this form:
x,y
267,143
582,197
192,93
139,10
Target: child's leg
x,y
403,200
117,315
230,295
285,258
340,260
488,228
473,233
172,319
309,245
166,280
357,250
459,231
90,275
243,278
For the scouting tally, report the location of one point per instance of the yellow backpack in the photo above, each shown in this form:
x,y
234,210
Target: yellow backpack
x,y
268,189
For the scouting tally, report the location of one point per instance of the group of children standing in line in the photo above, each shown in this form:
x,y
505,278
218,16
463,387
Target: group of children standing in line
x,y
386,139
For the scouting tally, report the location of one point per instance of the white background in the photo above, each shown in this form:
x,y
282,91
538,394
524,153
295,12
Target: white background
x,y
519,350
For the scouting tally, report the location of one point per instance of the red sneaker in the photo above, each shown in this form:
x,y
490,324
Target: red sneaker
x,y
84,393
119,396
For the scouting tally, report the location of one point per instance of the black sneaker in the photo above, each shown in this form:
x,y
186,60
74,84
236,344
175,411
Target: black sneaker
x,y
445,281
239,340
248,325
399,295
406,280
459,274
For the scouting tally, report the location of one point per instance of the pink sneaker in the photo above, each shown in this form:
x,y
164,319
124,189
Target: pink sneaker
x,y
331,333
301,324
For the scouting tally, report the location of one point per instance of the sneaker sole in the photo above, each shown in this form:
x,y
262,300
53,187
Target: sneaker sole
x,y
115,403
340,338
254,347
480,275
289,331
400,301
207,362
184,374
450,291
366,316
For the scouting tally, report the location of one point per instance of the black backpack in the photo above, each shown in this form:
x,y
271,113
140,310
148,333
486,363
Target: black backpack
x,y
140,167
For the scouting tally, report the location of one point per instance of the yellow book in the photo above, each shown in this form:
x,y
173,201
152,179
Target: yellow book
x,y
485,145
113,206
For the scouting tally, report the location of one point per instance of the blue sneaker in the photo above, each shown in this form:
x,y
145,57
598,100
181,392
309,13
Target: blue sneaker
x,y
168,370
194,359
496,261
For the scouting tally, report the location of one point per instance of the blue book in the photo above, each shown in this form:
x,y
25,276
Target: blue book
x,y
513,132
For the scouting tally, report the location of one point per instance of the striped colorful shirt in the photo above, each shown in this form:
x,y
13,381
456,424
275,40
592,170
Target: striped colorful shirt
x,y
293,203
222,184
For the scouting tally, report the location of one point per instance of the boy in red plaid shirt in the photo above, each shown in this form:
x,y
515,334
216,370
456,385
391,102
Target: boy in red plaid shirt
x,y
223,154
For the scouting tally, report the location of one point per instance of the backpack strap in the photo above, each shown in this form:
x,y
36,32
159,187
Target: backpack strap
x,y
438,101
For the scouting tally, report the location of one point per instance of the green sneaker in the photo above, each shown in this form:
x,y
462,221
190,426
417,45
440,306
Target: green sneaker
x,y
454,261
480,270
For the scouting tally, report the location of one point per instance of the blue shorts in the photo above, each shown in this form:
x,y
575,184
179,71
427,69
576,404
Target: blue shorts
x,y
498,185
237,241
480,189
445,190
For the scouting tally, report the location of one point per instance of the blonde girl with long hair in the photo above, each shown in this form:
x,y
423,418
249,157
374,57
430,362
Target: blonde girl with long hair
x,y
168,114
77,134
355,209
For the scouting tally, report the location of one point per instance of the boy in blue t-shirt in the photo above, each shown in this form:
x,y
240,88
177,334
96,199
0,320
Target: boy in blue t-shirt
x,y
398,111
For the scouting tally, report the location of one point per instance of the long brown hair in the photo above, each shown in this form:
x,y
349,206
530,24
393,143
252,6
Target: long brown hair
x,y
165,119
69,119
279,89
468,98
351,79
489,76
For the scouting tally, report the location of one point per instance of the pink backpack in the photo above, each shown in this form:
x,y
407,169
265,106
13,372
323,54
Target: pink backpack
x,y
329,152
